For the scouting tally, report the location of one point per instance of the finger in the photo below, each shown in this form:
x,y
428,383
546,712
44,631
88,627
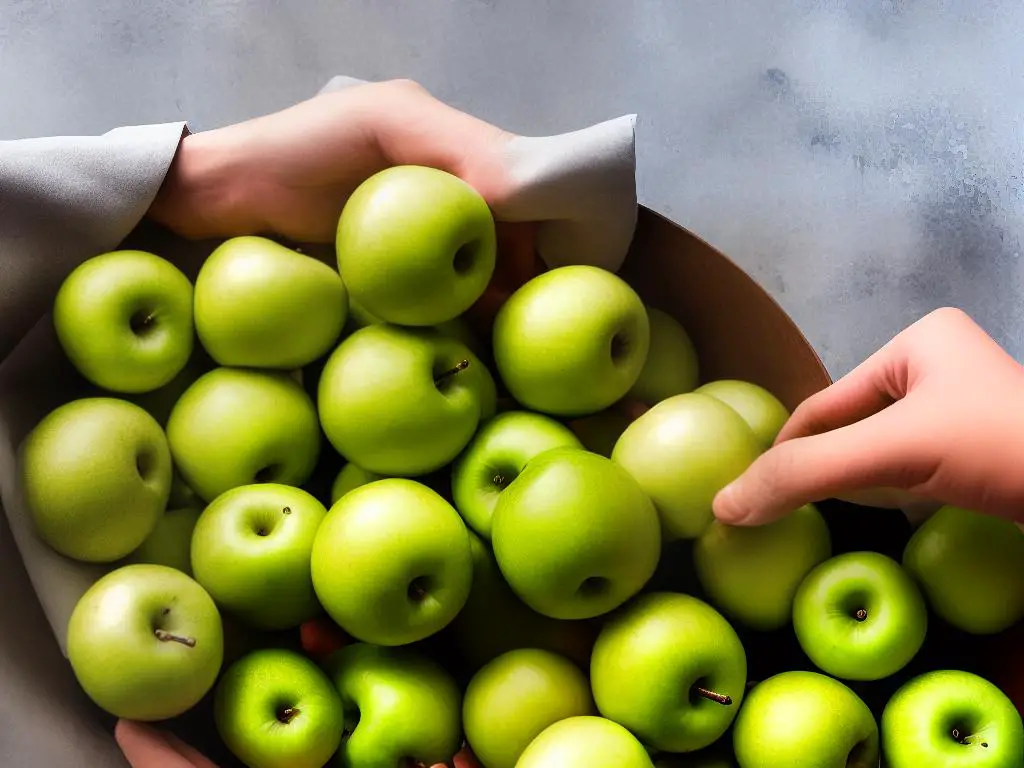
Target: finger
x,y
145,747
885,450
199,760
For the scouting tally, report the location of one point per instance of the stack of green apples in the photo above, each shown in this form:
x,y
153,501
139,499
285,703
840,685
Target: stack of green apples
x,y
481,578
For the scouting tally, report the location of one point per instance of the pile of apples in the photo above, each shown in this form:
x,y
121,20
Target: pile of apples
x,y
480,580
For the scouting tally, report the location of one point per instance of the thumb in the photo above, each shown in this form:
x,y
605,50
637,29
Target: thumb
x,y
883,450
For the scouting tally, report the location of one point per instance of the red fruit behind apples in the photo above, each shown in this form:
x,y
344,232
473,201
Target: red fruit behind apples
x,y
320,637
1009,675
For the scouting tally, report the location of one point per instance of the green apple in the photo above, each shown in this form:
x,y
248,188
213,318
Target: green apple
x,y
145,642
349,478
416,245
516,696
251,550
237,426
124,319
574,535
585,741
391,562
259,304
971,569
359,317
160,402
571,341
763,411
398,704
751,573
170,542
683,451
803,719
860,616
952,719
672,367
671,669
181,496
403,401
600,431
274,708
494,620
95,474
496,456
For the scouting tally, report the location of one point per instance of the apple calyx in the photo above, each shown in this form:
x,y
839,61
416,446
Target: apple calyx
x,y
860,615
286,511
169,637
961,738
287,714
417,589
141,322
718,698
460,366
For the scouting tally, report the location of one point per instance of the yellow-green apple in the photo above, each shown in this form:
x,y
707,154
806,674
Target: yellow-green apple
x,y
804,720
95,474
260,304
574,535
763,411
124,319
350,477
953,719
274,708
181,496
600,431
585,741
391,562
514,697
170,541
671,669
398,705
971,569
494,458
403,401
251,550
751,573
571,341
160,402
672,367
416,245
237,426
494,620
860,616
683,451
145,642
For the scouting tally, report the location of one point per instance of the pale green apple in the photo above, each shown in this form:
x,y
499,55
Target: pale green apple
x,y
860,616
495,457
145,642
260,304
803,719
672,366
391,562
571,341
237,426
952,719
251,550
574,535
181,496
971,569
416,245
763,411
359,317
95,474
160,402
513,698
403,401
274,708
683,451
399,706
124,319
600,431
671,669
751,573
349,478
585,741
170,542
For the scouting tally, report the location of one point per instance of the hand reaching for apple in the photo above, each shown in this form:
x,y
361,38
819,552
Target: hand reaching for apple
x,y
935,415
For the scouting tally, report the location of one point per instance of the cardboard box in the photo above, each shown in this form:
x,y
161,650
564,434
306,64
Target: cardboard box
x,y
739,332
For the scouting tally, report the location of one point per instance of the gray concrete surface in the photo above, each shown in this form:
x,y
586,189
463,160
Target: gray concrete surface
x,y
861,159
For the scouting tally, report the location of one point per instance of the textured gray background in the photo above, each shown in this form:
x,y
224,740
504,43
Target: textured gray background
x,y
861,159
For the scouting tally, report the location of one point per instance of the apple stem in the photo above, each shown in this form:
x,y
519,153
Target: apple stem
x,y
718,698
460,366
861,614
165,636
287,714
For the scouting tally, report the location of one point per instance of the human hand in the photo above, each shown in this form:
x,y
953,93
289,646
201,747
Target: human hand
x,y
936,415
